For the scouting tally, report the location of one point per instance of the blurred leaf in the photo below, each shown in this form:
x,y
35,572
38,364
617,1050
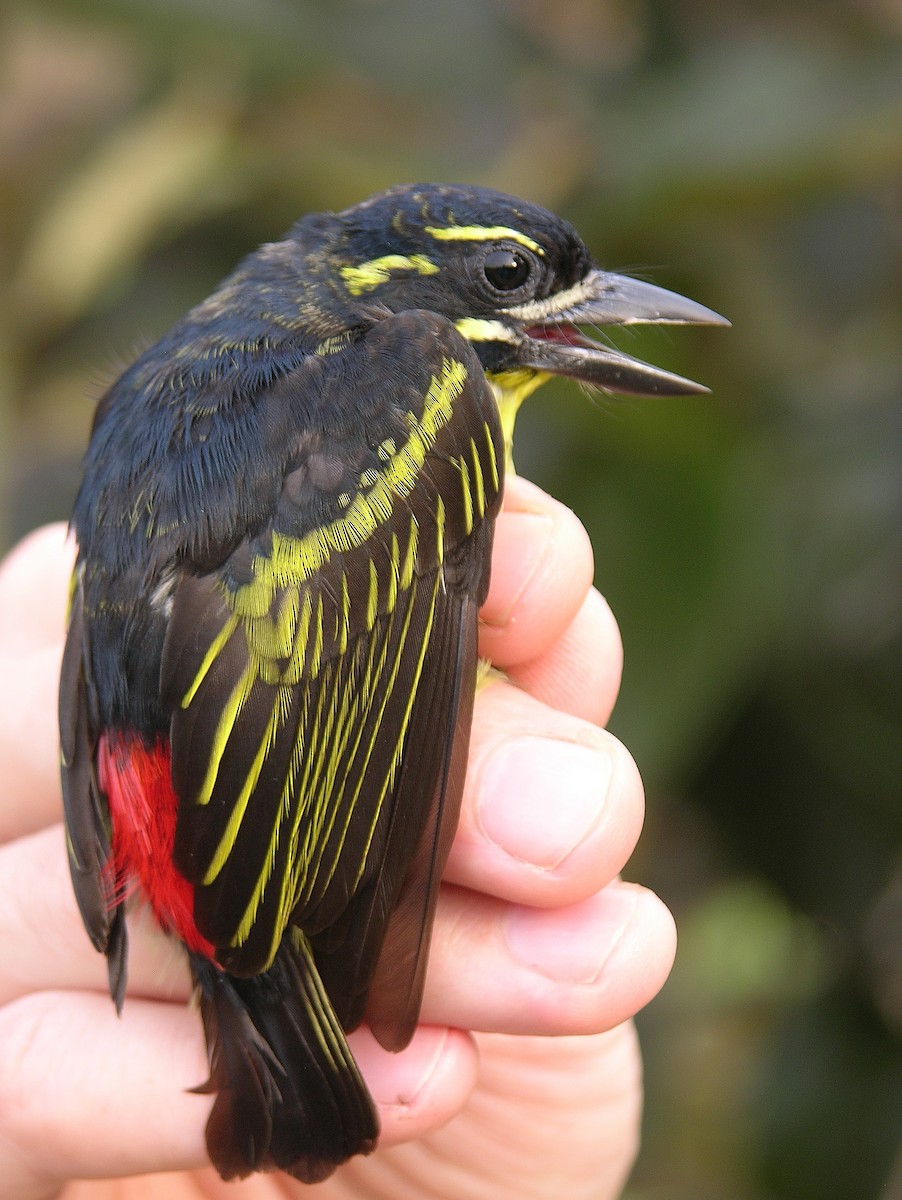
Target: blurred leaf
x,y
742,945
753,118
155,173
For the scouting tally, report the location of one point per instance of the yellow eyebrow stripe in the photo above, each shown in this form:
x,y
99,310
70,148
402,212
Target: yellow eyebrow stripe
x,y
369,275
475,330
482,233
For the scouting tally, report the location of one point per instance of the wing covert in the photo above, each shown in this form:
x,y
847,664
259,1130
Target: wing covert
x,y
302,675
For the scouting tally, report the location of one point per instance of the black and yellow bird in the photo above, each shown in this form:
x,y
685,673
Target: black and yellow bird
x,y
284,533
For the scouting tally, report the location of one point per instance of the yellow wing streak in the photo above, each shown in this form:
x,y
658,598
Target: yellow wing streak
x,y
237,698
318,872
322,1018
318,838
316,654
372,605
334,344
292,560
305,801
330,733
467,493
288,792
341,717
210,657
440,528
294,669
410,558
292,792
493,461
239,807
478,479
405,720
376,727
345,614
341,748
273,635
391,597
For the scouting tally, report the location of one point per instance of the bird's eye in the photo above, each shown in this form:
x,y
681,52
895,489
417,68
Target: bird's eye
x,y
506,270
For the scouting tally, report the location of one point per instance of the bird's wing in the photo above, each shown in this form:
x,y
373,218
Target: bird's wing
x,y
85,810
321,683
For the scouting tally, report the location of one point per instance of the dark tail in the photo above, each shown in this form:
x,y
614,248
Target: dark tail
x,y
289,1096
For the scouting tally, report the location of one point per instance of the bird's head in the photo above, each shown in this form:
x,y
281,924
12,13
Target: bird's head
x,y
517,281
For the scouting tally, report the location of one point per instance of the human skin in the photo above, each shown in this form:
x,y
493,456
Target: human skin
x,y
523,1079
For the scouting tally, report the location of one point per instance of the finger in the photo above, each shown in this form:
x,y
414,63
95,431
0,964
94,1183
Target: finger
x,y
575,970
537,603
86,1094
33,590
541,572
30,796
562,1115
552,811
34,586
423,1086
43,943
580,673
553,805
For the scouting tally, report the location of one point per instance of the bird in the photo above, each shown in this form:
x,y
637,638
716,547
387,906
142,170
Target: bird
x,y
284,530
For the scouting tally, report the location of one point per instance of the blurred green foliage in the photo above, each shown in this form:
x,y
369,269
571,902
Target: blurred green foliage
x,y
749,155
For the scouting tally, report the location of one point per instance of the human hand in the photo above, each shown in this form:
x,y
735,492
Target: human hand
x,y
535,935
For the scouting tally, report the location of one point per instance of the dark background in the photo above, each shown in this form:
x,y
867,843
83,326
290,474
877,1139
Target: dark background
x,y
750,542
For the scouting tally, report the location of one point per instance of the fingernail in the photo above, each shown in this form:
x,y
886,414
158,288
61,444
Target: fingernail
x,y
411,1072
541,797
571,945
519,529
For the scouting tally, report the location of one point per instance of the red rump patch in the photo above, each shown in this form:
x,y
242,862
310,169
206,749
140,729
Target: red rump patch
x,y
143,807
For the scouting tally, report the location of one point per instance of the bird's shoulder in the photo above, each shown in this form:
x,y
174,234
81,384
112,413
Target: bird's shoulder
x,y
399,466
391,479
209,440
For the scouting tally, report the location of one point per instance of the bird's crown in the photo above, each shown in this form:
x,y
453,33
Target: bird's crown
x,y
463,251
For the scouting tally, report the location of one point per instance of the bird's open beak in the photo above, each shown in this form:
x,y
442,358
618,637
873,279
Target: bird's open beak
x,y
552,341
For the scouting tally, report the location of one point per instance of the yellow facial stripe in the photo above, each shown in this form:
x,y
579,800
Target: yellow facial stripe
x,y
475,330
482,233
372,274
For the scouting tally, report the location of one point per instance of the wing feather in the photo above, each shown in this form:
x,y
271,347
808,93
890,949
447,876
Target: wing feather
x,y
389,922
85,809
322,697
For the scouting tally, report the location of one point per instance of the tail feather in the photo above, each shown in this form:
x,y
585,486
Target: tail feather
x,y
289,1096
